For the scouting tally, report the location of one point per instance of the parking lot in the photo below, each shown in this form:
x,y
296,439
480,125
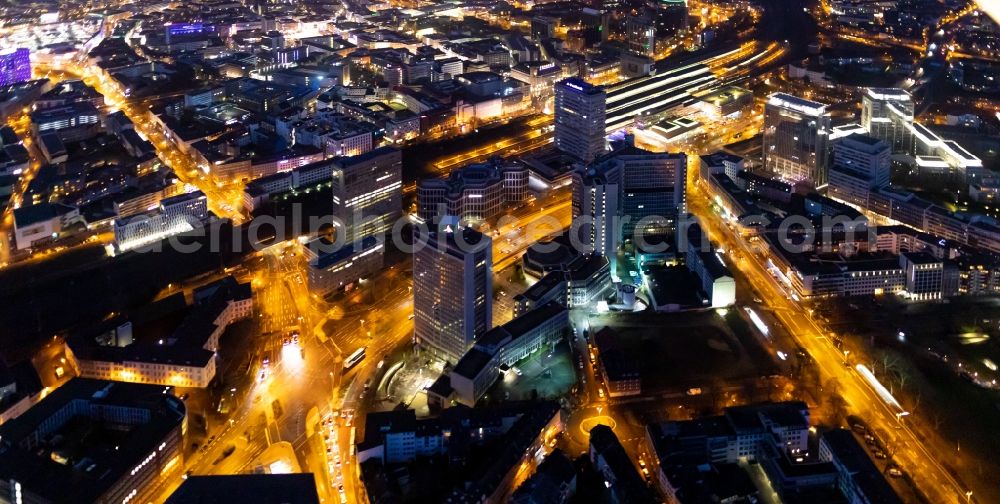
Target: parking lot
x,y
679,351
547,375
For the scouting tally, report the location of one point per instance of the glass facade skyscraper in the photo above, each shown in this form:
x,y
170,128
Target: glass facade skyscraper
x,y
580,119
796,138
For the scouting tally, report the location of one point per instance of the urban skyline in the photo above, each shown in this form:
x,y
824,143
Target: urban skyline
x,y
583,251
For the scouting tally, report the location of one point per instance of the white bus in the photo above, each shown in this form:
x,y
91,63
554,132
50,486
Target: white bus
x,y
354,358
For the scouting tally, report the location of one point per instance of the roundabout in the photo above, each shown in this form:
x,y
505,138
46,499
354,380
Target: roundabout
x,y
590,422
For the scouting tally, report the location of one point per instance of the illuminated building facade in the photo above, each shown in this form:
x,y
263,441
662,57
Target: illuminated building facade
x,y
640,32
625,193
504,346
333,267
926,276
717,282
596,206
72,122
580,119
796,135
653,190
864,155
175,215
452,290
15,66
887,114
473,193
367,193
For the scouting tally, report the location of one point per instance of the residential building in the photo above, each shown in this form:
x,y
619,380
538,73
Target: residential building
x,y
619,374
138,349
621,478
554,482
501,439
735,435
398,436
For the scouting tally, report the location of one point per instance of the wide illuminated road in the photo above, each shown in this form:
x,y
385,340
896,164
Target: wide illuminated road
x,y
538,222
912,452
21,124
224,199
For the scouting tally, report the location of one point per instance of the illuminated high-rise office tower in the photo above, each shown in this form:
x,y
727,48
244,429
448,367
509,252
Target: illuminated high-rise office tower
x,y
796,138
367,193
580,119
887,114
452,290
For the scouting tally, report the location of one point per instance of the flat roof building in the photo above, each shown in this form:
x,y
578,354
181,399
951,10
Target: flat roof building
x,y
247,489
165,343
93,441
503,346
